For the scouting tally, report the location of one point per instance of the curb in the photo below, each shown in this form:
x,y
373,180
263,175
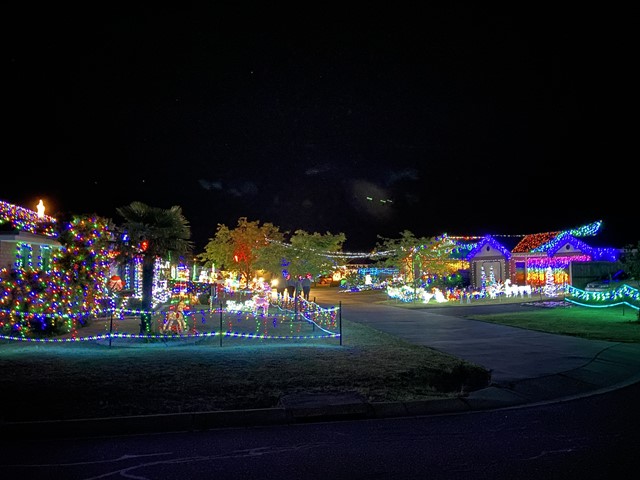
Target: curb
x,y
200,421
490,398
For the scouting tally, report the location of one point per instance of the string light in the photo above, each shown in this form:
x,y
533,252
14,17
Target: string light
x,y
27,220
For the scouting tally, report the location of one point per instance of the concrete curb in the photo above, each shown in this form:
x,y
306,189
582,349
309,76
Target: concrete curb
x,y
525,393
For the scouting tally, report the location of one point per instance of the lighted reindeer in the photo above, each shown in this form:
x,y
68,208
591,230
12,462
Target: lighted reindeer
x,y
515,290
509,289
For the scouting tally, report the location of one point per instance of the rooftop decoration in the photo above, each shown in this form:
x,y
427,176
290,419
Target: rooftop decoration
x,y
589,230
27,220
40,209
489,240
541,242
561,239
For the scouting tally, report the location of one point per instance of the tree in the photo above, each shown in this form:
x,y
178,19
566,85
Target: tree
x,y
239,249
311,252
415,257
631,262
83,263
152,233
401,253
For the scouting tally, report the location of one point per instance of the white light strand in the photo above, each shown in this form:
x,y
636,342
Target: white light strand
x,y
590,229
335,254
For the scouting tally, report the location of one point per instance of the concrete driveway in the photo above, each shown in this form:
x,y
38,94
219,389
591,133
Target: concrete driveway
x,y
510,353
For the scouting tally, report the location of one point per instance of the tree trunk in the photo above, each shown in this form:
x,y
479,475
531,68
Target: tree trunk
x,y
148,264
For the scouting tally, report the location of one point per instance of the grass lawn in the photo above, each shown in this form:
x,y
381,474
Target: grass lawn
x,y
614,324
89,380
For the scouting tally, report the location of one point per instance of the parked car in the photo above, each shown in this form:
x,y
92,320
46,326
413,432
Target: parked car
x,y
609,282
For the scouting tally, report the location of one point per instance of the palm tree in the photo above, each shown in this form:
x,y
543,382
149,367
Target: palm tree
x,y
153,233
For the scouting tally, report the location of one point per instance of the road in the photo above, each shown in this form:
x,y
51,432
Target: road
x,y
596,437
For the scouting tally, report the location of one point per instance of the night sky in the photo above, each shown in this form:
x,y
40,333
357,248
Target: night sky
x,y
366,121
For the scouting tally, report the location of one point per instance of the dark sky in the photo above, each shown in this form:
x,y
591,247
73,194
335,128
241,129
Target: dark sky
x,y
458,120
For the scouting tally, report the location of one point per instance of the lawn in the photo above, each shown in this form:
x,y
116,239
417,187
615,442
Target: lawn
x,y
595,322
90,380
614,324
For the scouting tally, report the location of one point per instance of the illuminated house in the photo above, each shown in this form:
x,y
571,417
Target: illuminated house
x,y
488,255
27,238
527,262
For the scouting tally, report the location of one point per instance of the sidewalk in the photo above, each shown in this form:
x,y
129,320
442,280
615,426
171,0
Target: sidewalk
x,y
527,368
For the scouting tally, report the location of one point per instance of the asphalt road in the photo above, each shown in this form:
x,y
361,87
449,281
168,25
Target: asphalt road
x,y
595,437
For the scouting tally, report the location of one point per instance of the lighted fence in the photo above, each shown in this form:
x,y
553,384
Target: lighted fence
x,y
288,321
622,295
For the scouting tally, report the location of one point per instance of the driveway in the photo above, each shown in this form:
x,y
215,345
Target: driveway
x,y
510,353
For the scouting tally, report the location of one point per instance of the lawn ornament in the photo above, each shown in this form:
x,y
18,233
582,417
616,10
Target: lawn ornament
x,y
509,289
176,317
524,290
115,283
440,298
261,302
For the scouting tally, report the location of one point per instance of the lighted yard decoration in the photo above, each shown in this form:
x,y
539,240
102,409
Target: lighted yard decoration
x,y
511,290
176,318
261,302
115,283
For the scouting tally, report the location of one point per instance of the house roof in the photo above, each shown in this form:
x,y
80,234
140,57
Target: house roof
x,y
26,237
25,220
533,242
542,242
488,240
548,243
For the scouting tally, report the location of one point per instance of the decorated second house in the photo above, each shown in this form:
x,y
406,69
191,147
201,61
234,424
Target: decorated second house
x,y
560,257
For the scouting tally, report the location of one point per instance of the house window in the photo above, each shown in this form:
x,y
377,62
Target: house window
x,y
45,258
24,256
520,274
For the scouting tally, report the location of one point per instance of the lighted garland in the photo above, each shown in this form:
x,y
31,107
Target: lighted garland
x,y
323,322
623,292
27,220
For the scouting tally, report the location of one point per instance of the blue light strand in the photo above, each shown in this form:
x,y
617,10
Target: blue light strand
x,y
142,336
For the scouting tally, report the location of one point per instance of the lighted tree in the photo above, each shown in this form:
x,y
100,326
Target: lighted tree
x,y
492,276
152,233
238,249
415,257
550,286
436,257
402,253
83,263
